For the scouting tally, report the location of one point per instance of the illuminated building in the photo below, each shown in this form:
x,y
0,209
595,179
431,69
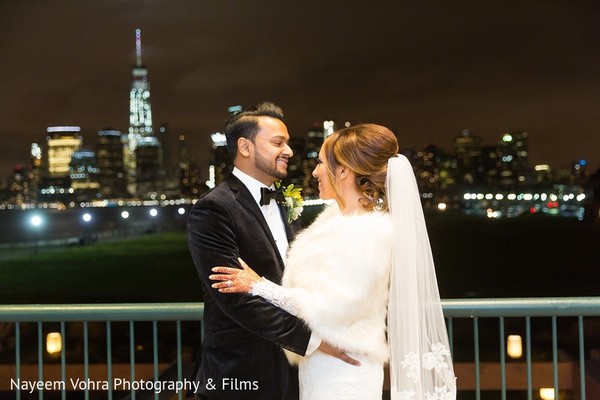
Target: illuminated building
x,y
20,187
109,158
36,168
314,141
189,180
221,164
490,165
434,169
140,111
579,172
467,148
63,141
542,174
149,171
295,170
84,175
513,153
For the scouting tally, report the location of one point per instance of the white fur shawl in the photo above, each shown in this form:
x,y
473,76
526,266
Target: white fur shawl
x,y
338,269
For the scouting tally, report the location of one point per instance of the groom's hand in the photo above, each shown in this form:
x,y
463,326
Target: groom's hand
x,y
337,353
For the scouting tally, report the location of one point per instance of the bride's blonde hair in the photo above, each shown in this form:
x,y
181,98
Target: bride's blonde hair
x,y
365,149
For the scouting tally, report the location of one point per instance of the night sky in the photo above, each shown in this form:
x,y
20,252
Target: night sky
x,y
426,69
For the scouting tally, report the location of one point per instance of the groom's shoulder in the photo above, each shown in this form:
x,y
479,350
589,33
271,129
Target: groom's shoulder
x,y
222,192
225,193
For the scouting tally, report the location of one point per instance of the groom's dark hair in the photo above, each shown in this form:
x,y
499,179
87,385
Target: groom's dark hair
x,y
245,124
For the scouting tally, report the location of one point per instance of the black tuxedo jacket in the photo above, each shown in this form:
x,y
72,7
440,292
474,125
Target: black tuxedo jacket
x,y
241,354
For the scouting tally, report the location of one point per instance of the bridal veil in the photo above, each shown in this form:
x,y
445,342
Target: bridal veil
x,y
420,359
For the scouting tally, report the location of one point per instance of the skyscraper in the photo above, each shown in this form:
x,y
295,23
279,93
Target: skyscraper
x,y
109,155
467,148
514,159
140,110
143,151
63,141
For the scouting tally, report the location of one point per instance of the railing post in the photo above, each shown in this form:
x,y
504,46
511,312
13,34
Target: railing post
x,y
86,358
179,361
502,360
132,357
528,345
40,359
18,355
555,355
476,355
155,349
109,359
581,358
63,359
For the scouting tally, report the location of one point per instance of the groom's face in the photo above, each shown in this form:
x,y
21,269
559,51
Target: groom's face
x,y
271,151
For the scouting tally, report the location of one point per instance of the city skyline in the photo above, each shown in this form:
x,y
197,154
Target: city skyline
x,y
426,71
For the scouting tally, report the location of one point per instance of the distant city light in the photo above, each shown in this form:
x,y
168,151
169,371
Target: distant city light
x,y
181,210
153,212
87,217
218,139
234,109
328,128
442,206
51,129
507,137
36,220
125,215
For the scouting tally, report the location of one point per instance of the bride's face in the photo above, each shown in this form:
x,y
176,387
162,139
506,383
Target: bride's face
x,y
326,191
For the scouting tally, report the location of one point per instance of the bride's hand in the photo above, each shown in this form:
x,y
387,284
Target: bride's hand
x,y
234,280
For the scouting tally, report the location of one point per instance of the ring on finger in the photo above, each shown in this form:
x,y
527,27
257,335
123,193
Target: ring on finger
x,y
228,283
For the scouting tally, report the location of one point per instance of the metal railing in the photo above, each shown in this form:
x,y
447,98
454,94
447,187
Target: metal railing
x,y
525,312
87,377
106,350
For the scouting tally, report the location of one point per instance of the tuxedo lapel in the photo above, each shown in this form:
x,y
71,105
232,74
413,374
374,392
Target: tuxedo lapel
x,y
244,197
289,231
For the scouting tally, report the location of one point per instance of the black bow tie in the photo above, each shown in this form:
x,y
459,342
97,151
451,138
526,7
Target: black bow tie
x,y
266,195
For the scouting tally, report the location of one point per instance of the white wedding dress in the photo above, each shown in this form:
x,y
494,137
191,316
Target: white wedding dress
x,y
322,376
336,279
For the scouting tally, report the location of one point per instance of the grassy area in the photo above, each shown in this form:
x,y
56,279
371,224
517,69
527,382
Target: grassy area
x,y
475,257
142,269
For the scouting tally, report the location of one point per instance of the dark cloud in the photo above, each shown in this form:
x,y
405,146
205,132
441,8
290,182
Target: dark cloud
x,y
427,69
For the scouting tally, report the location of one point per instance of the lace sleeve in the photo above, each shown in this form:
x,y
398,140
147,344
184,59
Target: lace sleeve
x,y
274,294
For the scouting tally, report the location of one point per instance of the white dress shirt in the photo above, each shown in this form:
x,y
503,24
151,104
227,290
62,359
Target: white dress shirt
x,y
271,211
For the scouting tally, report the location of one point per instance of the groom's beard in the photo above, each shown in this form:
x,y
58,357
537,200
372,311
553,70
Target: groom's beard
x,y
268,167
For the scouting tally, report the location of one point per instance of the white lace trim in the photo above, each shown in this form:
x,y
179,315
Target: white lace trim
x,y
435,360
274,294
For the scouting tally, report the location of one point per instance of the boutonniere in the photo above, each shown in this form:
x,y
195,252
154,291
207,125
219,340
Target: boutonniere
x,y
293,201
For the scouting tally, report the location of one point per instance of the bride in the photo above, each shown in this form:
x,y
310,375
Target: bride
x,y
362,268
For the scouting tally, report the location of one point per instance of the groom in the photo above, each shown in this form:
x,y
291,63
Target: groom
x,y
241,352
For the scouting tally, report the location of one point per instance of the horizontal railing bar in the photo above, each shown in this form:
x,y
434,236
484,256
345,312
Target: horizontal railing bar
x,y
102,312
522,307
453,308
